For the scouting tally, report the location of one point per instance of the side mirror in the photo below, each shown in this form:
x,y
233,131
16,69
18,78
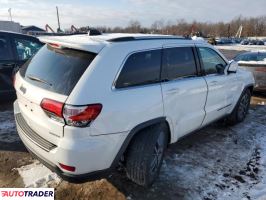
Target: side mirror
x,y
220,68
232,66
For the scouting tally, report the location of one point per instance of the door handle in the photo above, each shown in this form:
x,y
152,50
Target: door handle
x,y
4,67
214,82
172,91
8,64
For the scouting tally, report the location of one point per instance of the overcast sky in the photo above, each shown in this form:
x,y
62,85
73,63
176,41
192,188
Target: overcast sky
x,y
120,12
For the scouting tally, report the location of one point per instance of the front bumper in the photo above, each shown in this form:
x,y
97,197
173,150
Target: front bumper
x,y
93,157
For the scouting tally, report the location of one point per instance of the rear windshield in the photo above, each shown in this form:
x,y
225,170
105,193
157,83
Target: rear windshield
x,y
56,70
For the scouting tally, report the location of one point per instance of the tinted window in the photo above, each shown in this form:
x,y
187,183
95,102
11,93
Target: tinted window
x,y
262,57
178,62
238,58
140,69
56,70
26,48
212,62
250,57
5,51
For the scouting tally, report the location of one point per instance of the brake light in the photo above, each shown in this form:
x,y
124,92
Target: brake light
x,y
78,116
53,109
66,167
55,45
81,116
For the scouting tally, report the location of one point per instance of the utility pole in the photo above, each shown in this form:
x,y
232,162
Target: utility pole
x,y
59,29
10,15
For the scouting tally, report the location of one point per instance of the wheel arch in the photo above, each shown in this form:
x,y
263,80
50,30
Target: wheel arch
x,y
133,133
243,89
249,87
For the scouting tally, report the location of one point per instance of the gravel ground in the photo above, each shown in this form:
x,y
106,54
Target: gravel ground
x,y
217,162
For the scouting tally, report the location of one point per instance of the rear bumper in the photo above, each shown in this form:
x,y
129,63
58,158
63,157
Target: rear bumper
x,y
80,178
93,157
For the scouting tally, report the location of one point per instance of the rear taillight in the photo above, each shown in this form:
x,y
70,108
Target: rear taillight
x,y
81,116
53,109
55,45
78,116
68,168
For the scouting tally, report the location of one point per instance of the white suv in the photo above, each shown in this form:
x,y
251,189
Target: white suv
x,y
84,102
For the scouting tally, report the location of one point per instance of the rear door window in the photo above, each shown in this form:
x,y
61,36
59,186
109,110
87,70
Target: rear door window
x,y
178,62
140,69
56,70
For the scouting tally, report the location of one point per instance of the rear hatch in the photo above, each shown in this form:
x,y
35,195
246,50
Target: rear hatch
x,y
51,74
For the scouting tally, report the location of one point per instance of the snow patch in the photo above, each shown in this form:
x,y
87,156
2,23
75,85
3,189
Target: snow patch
x,y
37,175
239,47
253,62
7,126
225,164
198,38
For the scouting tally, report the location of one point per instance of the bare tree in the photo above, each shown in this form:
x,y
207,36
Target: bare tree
x,y
253,26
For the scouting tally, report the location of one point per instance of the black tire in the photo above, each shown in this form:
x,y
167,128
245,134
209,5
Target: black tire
x,y
145,154
240,111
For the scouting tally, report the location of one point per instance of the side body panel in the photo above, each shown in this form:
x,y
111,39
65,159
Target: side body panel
x,y
184,101
222,91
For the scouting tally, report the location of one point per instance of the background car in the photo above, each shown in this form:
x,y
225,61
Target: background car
x,y
254,62
15,50
244,42
252,42
259,42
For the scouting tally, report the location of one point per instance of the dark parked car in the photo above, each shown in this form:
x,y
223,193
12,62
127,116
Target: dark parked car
x,y
15,50
244,42
254,62
252,42
259,42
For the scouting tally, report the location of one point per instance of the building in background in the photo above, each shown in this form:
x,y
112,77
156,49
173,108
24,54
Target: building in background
x,y
32,30
10,26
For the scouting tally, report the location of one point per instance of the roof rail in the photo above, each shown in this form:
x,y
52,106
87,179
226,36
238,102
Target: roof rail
x,y
131,38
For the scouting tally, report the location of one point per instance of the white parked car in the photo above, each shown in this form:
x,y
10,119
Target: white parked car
x,y
85,103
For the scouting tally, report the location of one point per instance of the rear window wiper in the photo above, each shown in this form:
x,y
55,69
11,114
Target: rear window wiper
x,y
31,77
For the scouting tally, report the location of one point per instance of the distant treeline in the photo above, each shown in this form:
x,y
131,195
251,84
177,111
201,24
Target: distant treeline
x,y
252,26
